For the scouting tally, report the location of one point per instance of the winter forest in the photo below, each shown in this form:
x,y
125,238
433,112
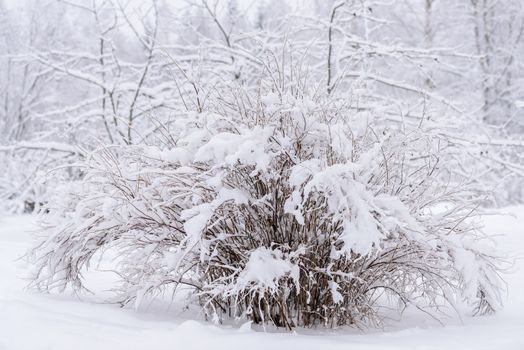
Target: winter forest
x,y
319,174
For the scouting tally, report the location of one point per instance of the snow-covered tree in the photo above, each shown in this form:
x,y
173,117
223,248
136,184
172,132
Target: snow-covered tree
x,y
119,72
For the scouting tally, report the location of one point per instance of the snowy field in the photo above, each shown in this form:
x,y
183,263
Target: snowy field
x,y
34,321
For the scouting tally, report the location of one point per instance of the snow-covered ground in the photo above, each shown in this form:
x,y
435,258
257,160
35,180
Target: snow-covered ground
x,y
34,321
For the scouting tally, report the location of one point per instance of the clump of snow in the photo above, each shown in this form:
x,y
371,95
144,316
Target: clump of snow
x,y
230,148
264,269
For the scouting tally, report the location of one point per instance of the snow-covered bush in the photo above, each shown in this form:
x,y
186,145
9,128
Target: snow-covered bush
x,y
284,205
